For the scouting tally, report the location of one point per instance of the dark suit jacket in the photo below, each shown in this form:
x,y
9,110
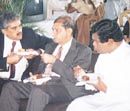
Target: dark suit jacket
x,y
126,29
78,54
29,40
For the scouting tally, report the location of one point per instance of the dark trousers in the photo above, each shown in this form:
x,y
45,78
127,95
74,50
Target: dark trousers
x,y
39,96
2,82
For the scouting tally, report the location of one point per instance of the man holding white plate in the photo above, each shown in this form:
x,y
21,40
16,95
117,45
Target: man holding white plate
x,y
15,61
113,63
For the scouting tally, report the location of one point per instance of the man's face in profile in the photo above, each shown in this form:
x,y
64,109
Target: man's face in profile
x,y
100,47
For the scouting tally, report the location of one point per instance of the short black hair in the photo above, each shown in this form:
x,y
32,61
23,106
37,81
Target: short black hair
x,y
107,29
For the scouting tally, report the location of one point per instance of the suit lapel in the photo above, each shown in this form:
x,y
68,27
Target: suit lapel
x,y
72,53
1,44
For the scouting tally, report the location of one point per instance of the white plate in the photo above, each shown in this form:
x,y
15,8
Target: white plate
x,y
37,81
41,80
28,53
93,78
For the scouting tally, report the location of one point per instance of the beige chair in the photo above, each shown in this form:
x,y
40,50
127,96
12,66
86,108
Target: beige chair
x,y
125,14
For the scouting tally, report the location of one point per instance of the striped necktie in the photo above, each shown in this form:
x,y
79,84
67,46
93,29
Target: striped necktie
x,y
48,68
58,55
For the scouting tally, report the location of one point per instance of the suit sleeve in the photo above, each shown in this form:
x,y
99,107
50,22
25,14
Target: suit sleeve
x,y
34,40
3,60
42,41
3,65
82,58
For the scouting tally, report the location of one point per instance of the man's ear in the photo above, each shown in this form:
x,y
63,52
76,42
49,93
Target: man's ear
x,y
69,30
110,41
3,31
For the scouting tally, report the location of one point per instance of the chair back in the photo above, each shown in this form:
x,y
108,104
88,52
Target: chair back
x,y
125,14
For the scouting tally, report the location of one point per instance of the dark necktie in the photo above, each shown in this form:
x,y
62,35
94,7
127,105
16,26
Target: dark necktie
x,y
12,66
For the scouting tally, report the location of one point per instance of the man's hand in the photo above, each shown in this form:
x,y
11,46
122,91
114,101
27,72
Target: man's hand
x,y
13,58
100,85
48,58
78,71
35,76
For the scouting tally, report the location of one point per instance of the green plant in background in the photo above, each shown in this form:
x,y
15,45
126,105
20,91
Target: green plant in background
x,y
4,5
16,6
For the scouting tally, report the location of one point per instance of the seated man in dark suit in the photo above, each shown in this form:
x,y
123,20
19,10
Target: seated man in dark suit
x,y
56,64
11,31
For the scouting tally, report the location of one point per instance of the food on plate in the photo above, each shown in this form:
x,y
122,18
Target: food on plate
x,y
21,50
24,52
39,76
85,78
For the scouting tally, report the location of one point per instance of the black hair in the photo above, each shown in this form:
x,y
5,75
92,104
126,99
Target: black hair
x,y
107,29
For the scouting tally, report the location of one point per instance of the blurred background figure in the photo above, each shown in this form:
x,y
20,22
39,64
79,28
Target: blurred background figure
x,y
86,10
55,5
127,4
113,8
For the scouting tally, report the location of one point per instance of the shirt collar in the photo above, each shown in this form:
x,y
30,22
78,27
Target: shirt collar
x,y
66,45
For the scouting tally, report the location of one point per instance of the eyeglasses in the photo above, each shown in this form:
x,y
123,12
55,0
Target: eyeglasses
x,y
14,28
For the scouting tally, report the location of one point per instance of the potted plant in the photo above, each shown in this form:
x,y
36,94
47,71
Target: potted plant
x,y
13,5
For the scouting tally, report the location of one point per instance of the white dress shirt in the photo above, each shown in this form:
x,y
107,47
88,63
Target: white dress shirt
x,y
20,66
116,75
65,49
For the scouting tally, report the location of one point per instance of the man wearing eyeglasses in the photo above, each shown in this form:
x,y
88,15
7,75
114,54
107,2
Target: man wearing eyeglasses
x,y
12,32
